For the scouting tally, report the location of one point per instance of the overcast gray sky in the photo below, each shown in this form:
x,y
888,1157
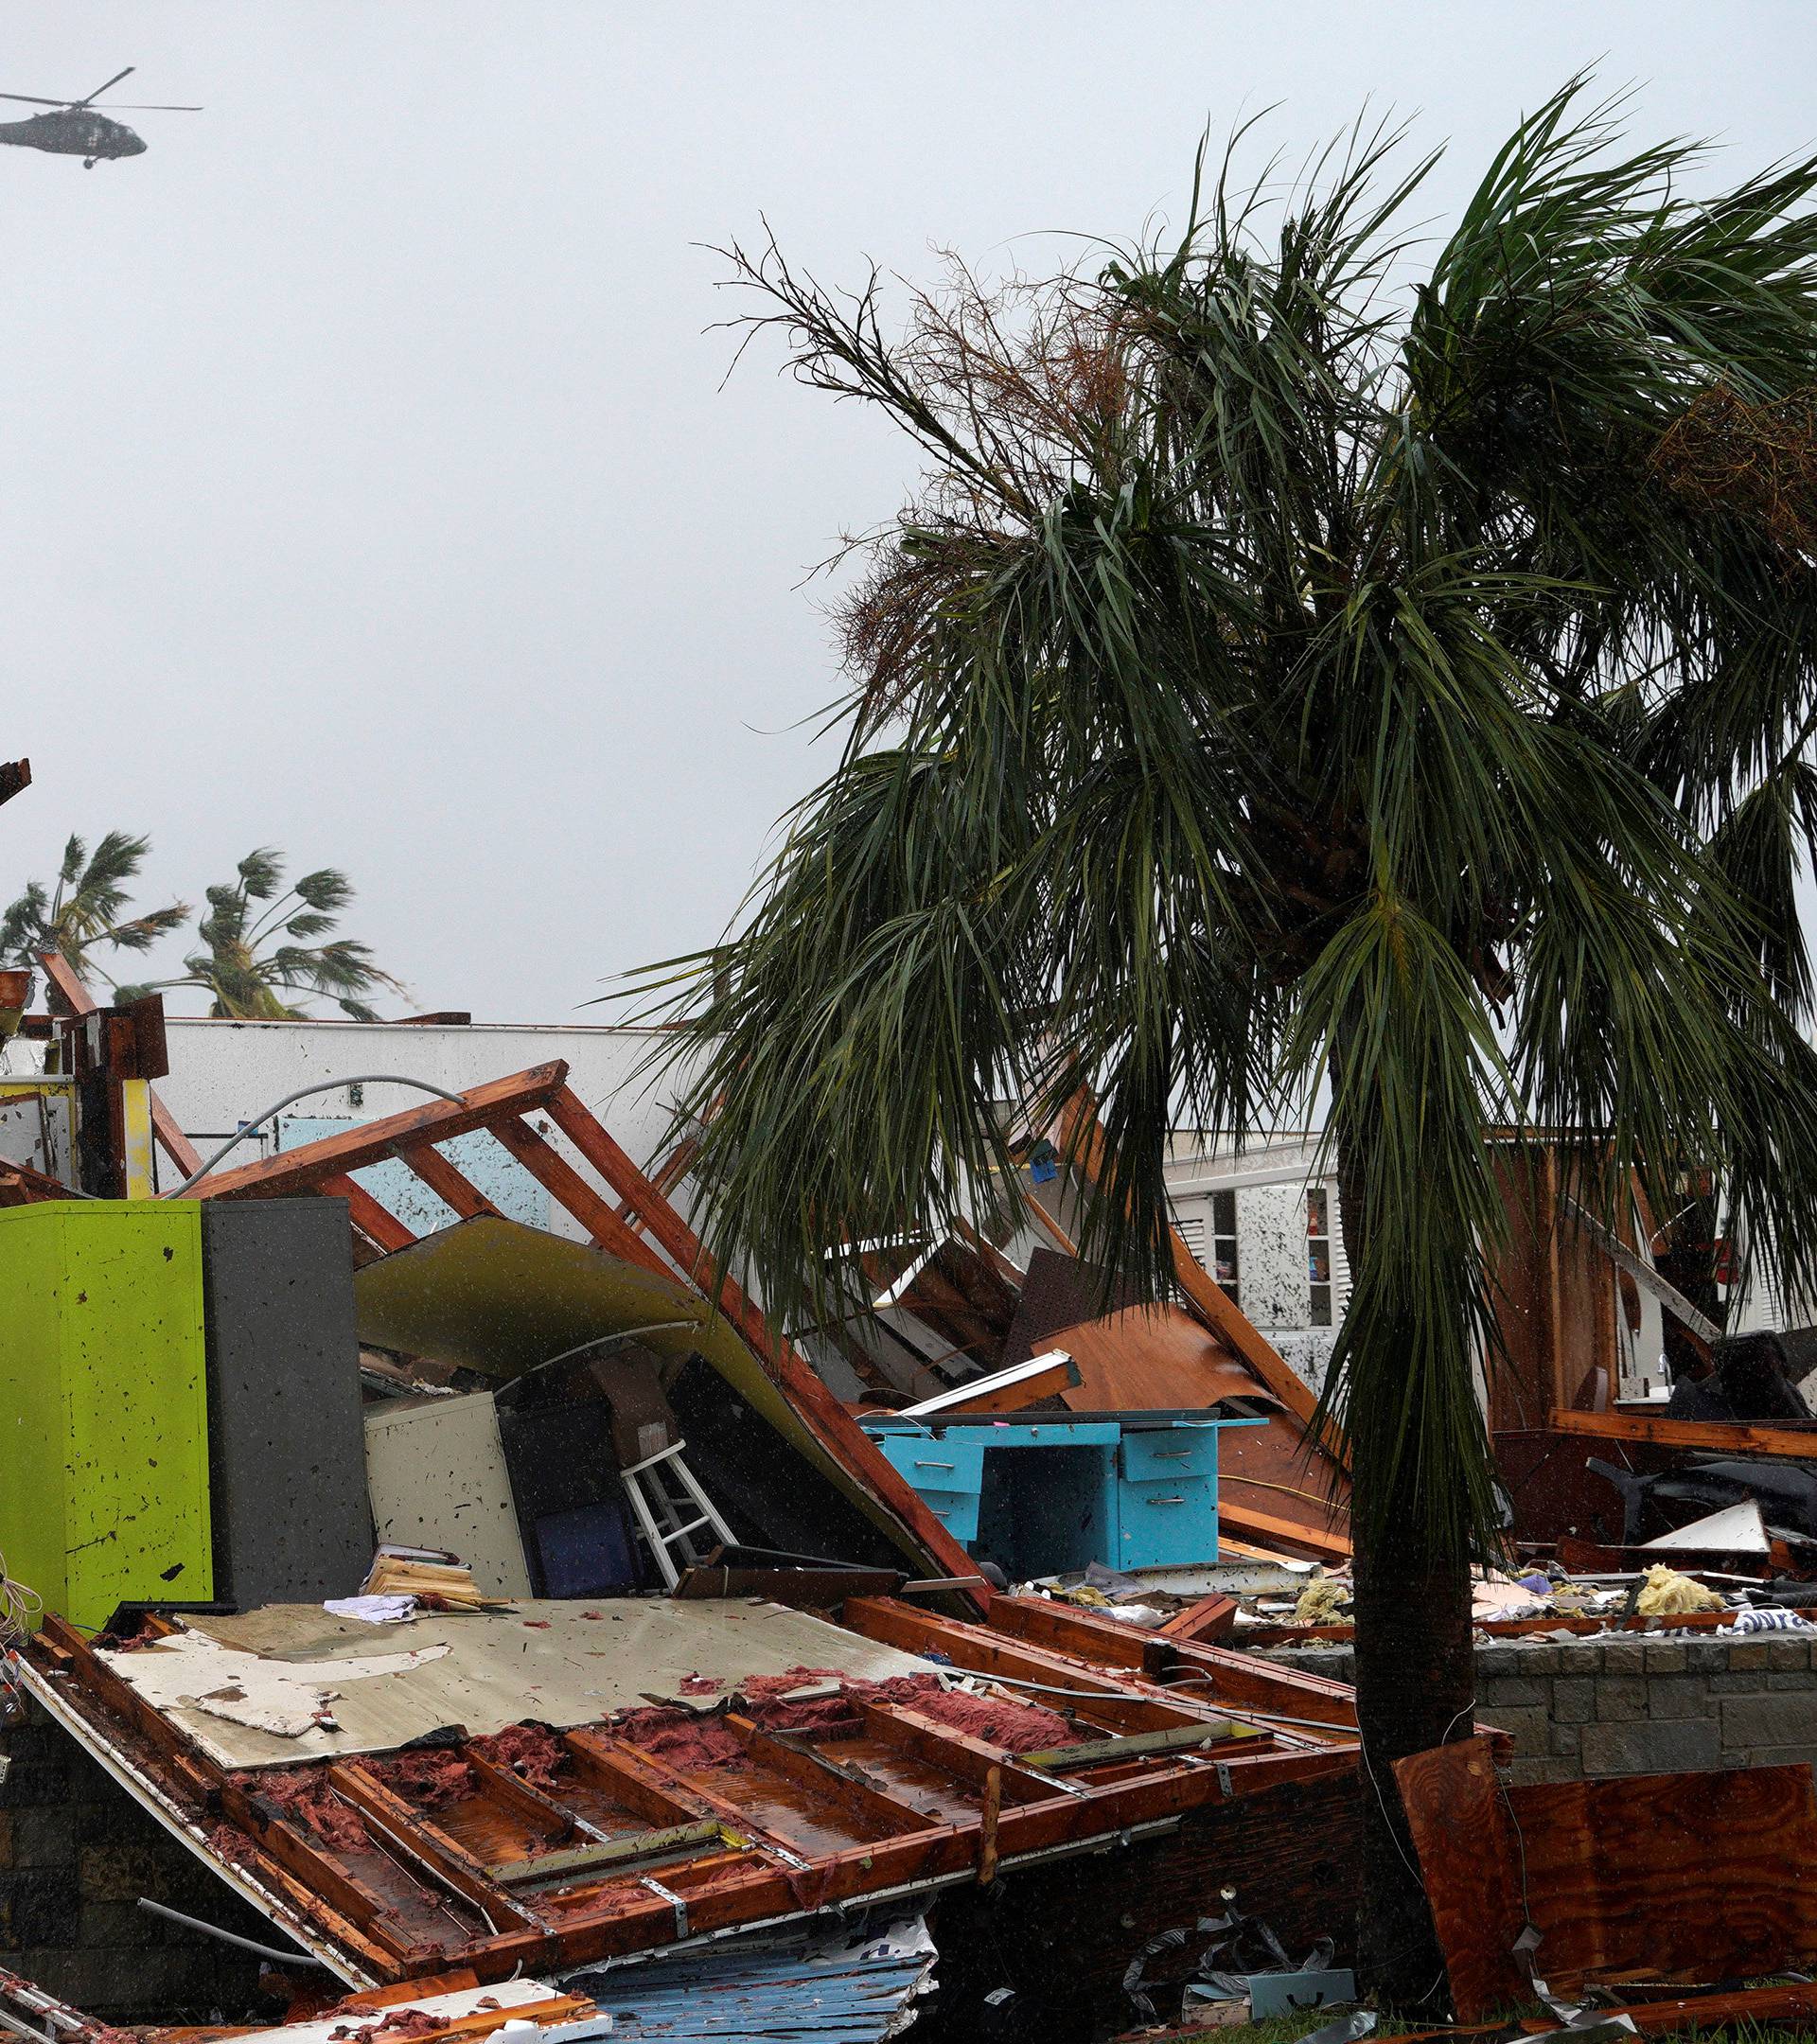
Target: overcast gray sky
x,y
366,487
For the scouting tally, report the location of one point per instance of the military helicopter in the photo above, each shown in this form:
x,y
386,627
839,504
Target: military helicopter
x,y
76,130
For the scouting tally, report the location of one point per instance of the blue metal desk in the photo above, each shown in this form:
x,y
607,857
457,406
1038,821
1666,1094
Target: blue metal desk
x,y
1131,1489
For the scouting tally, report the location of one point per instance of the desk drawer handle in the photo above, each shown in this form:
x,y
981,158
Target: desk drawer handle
x,y
936,1465
1172,1454
1163,1501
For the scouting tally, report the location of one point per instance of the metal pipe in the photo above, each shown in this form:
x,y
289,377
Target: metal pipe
x,y
327,1086
231,1937
23,2029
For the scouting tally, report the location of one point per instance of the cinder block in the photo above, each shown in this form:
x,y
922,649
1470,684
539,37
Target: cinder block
x,y
121,1873
1772,1756
1707,1657
1574,1700
38,1906
1583,1657
1501,1658
1499,1691
43,1837
1786,1719
1787,1654
1661,1746
1784,1680
1621,1699
1751,1681
1624,1657
1749,1653
1539,1659
1666,1660
1530,1730
33,1784
1524,1773
1565,1738
1678,1696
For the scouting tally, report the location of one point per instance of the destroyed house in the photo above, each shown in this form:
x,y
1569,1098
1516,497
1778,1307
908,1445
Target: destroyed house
x,y
682,1651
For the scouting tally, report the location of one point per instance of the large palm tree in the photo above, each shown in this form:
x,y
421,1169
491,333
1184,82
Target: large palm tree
x,y
258,956
1311,668
85,909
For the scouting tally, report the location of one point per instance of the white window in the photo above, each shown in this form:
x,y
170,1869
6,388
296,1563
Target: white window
x,y
1319,1255
1222,1262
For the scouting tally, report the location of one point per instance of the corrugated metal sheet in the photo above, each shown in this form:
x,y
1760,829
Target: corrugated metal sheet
x,y
857,1995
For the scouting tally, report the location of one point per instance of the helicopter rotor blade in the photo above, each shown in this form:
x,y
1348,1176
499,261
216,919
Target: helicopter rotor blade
x,y
128,108
32,99
100,89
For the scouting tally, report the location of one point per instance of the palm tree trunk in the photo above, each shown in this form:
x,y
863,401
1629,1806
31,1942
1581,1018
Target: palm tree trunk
x,y
1415,1689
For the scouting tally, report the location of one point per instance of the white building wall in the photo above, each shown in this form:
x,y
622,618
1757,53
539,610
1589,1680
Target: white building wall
x,y
1270,1181
224,1073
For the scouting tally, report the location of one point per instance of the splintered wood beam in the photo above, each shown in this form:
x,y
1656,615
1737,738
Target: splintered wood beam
x,y
417,1836
967,1759
1236,1681
1710,1436
374,1220
840,1435
175,1144
984,1652
1211,1617
1327,1545
571,1192
80,1001
822,1773
449,1182
665,1177
371,1143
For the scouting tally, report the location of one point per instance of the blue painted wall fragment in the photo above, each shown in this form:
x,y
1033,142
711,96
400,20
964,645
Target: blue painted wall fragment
x,y
485,1163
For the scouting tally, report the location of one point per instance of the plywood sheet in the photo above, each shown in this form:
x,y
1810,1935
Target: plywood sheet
x,y
1151,1359
1710,1874
1470,1868
484,1670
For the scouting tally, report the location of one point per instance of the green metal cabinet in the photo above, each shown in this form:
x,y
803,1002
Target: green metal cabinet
x,y
103,1404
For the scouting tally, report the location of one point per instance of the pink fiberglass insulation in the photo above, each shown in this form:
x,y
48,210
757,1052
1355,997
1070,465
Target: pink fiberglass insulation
x,y
680,1739
304,1796
531,1751
405,2022
685,1741
430,1778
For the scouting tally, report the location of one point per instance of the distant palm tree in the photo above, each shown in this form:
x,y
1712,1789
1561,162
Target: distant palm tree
x,y
251,960
86,909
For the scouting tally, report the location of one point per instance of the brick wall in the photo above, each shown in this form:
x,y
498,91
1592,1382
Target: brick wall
x,y
1636,1706
76,1853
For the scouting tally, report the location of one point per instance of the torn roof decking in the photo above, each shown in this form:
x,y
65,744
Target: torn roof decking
x,y
616,1850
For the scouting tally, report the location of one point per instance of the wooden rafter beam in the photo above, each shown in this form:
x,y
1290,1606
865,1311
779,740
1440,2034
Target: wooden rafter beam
x,y
370,1142
571,1192
449,1182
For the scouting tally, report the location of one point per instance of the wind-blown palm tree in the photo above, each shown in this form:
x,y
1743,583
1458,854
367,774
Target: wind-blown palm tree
x,y
1294,675
84,910
251,960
